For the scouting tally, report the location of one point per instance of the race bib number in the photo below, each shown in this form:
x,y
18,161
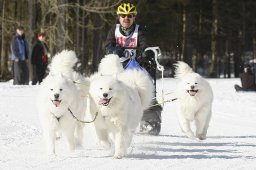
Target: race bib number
x,y
128,53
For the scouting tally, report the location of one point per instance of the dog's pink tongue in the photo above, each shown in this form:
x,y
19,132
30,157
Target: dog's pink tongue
x,y
192,93
56,103
102,101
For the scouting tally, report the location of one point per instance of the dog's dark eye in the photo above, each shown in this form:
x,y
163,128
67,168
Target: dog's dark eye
x,y
100,88
61,89
110,88
195,83
51,89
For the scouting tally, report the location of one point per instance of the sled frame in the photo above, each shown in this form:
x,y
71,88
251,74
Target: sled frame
x,y
157,54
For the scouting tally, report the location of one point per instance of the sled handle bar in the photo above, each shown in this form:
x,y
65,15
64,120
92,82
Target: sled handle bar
x,y
157,53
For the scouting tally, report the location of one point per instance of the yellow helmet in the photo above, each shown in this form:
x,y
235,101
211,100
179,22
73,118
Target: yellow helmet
x,y
126,8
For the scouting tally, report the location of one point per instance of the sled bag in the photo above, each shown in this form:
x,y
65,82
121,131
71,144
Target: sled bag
x,y
133,64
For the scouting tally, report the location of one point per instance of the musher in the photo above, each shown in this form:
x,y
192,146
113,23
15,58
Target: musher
x,y
128,41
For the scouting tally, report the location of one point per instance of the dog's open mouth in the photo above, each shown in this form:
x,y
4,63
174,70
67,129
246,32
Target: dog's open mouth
x,y
192,92
56,102
104,101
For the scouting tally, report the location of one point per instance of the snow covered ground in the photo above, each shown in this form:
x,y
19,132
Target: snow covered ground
x,y
231,142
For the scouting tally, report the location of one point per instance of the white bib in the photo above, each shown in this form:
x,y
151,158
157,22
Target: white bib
x,y
128,42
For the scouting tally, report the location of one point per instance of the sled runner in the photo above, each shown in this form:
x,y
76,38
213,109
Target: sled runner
x,y
151,120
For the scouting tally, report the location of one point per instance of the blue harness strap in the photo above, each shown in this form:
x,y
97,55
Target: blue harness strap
x,y
133,64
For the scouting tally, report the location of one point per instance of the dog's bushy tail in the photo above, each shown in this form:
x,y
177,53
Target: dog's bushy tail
x,y
110,65
142,82
181,69
63,63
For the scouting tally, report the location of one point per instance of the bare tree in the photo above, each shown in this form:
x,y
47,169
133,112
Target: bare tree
x,y
4,66
213,71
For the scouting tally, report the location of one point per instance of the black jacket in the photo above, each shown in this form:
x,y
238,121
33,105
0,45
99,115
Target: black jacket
x,y
38,53
248,81
110,44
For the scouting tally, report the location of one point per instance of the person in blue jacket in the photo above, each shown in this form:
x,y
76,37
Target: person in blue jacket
x,y
19,56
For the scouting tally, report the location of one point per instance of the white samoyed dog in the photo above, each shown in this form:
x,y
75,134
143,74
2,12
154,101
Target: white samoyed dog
x,y
119,97
194,101
59,97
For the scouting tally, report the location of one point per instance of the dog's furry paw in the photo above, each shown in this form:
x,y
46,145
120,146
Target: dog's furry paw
x,y
201,137
117,156
190,135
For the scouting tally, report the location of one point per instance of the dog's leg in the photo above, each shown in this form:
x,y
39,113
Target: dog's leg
x,y
50,137
71,140
69,132
103,137
185,127
100,126
121,138
202,124
129,139
102,133
79,134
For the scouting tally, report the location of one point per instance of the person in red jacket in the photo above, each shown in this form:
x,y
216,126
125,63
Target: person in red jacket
x,y
39,59
247,80
127,39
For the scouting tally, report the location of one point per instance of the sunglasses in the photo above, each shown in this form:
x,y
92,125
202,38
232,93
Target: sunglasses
x,y
129,16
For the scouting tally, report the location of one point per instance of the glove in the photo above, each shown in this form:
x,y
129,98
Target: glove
x,y
114,50
148,55
118,50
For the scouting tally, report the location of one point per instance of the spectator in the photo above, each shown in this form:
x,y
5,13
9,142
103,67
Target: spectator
x,y
247,80
19,56
39,59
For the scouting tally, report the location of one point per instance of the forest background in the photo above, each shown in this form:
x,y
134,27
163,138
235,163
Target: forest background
x,y
216,37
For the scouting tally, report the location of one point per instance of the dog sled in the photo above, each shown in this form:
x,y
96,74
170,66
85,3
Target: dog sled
x,y
151,120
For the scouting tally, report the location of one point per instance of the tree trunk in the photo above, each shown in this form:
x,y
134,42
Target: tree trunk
x,y
4,65
77,36
85,51
254,55
188,42
184,19
31,28
213,71
61,33
96,42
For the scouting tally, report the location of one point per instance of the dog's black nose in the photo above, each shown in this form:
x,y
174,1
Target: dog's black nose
x,y
56,95
192,87
105,94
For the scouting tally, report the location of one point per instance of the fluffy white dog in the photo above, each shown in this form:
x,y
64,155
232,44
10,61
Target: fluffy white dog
x,y
195,98
58,97
119,97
